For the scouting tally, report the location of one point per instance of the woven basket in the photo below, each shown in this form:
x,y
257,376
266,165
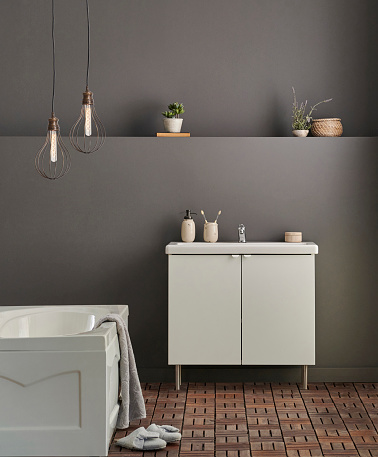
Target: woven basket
x,y
326,127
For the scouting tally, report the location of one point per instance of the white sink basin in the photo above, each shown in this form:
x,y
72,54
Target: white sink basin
x,y
232,247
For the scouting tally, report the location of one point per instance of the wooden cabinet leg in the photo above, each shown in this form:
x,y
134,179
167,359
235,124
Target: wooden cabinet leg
x,y
304,376
178,377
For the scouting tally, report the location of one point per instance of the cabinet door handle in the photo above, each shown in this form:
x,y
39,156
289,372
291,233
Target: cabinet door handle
x,y
247,255
235,256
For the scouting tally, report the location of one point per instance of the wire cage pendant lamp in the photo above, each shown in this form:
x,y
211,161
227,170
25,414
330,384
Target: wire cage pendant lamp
x,y
53,159
88,134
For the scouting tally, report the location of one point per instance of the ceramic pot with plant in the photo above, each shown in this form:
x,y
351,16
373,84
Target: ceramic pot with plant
x,y
172,121
302,121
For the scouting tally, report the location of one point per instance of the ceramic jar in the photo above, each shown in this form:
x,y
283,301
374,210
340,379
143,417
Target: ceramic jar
x,y
188,231
172,125
210,232
300,133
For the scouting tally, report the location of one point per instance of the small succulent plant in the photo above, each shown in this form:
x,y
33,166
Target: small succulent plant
x,y
175,109
168,114
301,120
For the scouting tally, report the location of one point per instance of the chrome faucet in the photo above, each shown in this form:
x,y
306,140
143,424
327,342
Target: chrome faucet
x,y
241,233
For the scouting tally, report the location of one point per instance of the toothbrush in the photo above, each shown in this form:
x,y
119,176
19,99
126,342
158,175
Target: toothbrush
x,y
203,214
219,213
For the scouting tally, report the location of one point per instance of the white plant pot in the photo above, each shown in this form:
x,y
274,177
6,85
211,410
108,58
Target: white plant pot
x,y
172,125
300,133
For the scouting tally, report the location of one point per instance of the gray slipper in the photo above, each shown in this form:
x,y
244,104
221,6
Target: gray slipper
x,y
166,432
142,440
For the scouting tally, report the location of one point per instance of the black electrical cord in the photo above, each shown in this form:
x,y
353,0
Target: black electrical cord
x,y
53,49
89,42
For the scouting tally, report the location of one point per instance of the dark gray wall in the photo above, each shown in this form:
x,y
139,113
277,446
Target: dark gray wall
x,y
98,235
373,65
232,63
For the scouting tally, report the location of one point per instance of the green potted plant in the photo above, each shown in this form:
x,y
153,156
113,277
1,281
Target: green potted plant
x,y
172,121
302,121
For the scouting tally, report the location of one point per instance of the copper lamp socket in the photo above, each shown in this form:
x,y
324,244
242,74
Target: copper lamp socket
x,y
87,97
53,123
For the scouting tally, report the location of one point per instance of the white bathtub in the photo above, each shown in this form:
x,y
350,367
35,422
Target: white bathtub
x,y
58,380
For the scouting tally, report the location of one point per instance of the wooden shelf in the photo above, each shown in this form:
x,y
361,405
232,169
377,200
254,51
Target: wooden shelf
x,y
173,135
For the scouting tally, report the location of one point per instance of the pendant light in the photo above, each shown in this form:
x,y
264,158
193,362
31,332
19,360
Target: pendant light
x,y
53,159
87,134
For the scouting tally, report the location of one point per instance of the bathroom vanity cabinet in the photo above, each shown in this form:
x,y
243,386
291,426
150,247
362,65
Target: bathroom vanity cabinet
x,y
241,304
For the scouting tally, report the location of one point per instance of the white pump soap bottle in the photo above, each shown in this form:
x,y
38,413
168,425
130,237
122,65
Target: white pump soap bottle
x,y
188,228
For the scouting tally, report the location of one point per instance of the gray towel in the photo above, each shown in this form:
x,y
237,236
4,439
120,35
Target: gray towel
x,y
132,404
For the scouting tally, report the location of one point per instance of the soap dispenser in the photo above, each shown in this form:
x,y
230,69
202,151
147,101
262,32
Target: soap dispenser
x,y
188,228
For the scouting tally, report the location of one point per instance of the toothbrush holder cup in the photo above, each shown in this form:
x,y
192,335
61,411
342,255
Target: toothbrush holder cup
x,y
210,232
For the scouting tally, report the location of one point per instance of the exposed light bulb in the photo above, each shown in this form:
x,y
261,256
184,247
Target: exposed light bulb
x,y
88,120
53,153
81,137
53,159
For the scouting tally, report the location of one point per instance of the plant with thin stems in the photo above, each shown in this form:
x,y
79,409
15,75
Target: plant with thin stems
x,y
301,120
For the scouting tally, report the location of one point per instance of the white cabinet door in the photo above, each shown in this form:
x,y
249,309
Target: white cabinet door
x,y
204,310
278,310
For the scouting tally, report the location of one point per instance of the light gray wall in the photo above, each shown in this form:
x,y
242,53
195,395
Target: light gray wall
x,y
232,63
98,235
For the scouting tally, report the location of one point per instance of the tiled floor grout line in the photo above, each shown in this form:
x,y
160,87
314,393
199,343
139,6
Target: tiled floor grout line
x,y
346,428
215,418
153,412
304,404
278,417
309,416
246,420
367,412
156,402
183,415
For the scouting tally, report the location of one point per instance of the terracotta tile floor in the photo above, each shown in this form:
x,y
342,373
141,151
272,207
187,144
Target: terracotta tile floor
x,y
262,419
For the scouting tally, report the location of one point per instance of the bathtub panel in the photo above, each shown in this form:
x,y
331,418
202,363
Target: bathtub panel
x,y
69,384
35,405
74,424
112,385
